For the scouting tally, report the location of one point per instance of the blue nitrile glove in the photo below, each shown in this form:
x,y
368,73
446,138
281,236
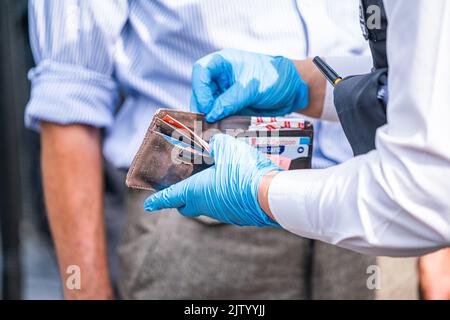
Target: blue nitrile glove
x,y
227,191
239,82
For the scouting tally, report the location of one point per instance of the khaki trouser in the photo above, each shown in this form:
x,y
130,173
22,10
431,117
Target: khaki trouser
x,y
167,256
399,279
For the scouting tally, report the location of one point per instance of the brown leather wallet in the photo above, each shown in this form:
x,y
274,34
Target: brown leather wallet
x,y
160,163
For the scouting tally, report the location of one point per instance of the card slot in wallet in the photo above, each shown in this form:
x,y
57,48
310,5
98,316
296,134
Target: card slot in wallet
x,y
170,131
161,164
185,152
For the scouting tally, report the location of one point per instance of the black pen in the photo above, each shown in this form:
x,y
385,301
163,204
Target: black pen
x,y
327,71
334,79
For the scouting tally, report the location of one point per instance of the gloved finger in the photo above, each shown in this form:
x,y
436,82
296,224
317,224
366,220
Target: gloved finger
x,y
172,197
230,102
202,91
205,75
260,112
227,150
216,142
194,105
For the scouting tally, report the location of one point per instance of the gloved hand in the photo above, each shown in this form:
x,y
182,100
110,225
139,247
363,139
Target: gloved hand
x,y
227,191
238,82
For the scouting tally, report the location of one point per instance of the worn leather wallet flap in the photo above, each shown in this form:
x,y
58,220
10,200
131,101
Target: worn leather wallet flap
x,y
159,163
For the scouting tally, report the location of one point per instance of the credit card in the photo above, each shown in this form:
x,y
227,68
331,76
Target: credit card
x,y
292,152
276,123
169,130
276,141
187,152
179,143
281,150
168,119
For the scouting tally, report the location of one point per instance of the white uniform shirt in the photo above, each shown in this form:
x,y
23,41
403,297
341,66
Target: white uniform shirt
x,y
394,200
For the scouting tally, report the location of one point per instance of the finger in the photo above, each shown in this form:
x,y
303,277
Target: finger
x,y
278,112
202,91
215,143
223,149
194,107
227,150
206,73
230,102
172,197
216,64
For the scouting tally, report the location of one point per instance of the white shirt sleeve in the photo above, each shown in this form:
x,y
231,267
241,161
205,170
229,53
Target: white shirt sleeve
x,y
395,200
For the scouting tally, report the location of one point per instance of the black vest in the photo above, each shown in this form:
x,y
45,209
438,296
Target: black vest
x,y
358,104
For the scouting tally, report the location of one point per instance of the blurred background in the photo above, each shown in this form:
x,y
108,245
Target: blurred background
x,y
28,264
27,261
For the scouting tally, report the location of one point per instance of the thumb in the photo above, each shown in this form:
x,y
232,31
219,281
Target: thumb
x,y
223,147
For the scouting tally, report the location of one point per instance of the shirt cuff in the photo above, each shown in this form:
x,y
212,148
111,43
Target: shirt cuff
x,y
288,202
68,94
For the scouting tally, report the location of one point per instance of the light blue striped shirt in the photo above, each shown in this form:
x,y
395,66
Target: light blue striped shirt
x,y
112,63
